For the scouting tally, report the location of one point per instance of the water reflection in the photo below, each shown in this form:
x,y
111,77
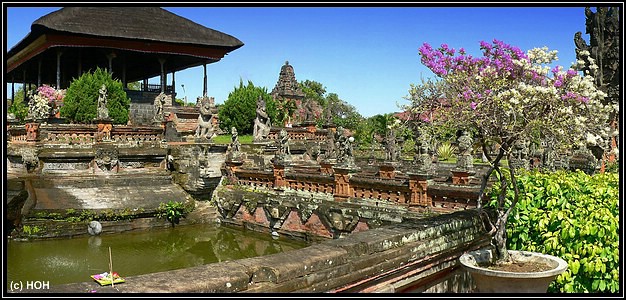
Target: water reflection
x,y
74,260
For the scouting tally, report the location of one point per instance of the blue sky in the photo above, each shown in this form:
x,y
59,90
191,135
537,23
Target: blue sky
x,y
366,55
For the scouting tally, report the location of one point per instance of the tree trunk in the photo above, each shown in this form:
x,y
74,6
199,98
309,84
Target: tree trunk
x,y
499,239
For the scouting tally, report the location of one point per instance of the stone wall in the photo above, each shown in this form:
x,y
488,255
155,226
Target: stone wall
x,y
141,113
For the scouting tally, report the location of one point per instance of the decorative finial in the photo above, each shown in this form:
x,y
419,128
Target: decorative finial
x,y
286,62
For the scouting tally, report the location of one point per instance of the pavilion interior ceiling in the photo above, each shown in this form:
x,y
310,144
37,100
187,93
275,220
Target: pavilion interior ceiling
x,y
136,65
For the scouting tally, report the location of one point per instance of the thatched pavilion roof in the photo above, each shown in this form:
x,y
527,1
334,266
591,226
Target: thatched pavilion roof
x,y
137,37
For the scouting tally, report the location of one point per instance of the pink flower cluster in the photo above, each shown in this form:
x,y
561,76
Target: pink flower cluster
x,y
50,93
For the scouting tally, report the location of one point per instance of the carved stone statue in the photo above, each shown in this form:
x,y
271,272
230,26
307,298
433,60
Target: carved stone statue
x,y
234,151
159,102
283,143
207,127
283,152
330,150
465,143
103,111
390,146
519,154
603,28
345,156
262,123
312,153
235,145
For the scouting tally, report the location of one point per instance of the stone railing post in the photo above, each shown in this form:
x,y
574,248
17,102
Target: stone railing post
x,y
343,190
418,185
280,181
32,132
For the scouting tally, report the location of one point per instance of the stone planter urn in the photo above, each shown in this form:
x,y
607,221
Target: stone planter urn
x,y
495,281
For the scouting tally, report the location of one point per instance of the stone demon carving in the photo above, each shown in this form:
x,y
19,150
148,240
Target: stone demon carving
x,y
206,120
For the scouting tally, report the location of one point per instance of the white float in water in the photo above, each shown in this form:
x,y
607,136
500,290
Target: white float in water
x,y
94,228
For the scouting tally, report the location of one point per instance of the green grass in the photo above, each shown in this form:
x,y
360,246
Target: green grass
x,y
225,139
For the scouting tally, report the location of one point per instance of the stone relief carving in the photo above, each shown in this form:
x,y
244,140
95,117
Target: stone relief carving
x,y
30,159
106,159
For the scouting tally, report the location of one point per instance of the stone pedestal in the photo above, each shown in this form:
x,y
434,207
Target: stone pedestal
x,y
231,168
460,176
310,126
326,166
104,130
387,170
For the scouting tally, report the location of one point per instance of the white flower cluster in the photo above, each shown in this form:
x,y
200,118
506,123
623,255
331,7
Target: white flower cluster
x,y
542,55
38,107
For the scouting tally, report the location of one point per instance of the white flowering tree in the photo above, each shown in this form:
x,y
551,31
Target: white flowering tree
x,y
507,95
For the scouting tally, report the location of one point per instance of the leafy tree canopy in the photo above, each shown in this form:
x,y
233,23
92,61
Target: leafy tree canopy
x,y
80,104
239,110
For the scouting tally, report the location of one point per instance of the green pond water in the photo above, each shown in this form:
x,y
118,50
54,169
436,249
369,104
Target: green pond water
x,y
60,261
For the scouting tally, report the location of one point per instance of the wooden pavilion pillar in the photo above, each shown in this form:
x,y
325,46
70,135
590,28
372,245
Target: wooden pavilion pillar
x,y
39,72
204,89
110,57
24,85
124,83
174,84
79,70
163,76
59,53
13,90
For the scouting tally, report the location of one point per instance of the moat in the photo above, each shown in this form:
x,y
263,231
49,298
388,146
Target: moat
x,y
61,261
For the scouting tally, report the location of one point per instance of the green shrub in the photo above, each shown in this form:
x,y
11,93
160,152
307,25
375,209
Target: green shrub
x,y
173,211
574,216
239,110
19,106
80,104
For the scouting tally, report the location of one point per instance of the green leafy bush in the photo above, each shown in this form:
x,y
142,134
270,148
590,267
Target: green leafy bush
x,y
173,211
574,216
81,99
